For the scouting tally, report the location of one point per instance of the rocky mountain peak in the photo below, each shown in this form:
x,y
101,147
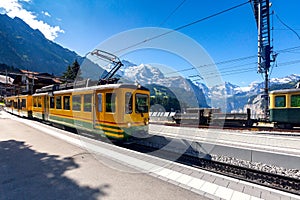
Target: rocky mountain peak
x,y
26,48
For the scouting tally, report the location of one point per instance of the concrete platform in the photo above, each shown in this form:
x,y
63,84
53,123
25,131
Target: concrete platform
x,y
280,150
39,161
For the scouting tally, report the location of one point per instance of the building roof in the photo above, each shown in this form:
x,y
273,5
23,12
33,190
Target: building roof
x,y
3,79
38,77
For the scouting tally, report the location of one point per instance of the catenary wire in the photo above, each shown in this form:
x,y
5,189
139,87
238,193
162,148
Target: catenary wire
x,y
182,27
172,13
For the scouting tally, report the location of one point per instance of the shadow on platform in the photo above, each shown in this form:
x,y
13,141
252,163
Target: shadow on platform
x,y
27,174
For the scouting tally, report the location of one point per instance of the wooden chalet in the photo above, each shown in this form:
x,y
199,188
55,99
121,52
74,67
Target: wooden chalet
x,y
6,86
27,82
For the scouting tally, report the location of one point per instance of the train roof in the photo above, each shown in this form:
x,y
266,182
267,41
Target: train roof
x,y
293,90
18,96
96,87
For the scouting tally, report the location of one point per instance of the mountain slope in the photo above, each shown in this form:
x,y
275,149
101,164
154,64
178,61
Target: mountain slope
x,y
238,97
25,48
185,91
255,101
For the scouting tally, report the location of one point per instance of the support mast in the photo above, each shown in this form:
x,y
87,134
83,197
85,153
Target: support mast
x,y
261,9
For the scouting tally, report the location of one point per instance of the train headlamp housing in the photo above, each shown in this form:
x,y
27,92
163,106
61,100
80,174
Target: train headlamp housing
x,y
146,121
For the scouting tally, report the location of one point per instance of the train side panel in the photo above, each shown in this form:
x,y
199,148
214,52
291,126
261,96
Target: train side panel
x,y
60,110
9,104
285,107
38,106
108,112
25,106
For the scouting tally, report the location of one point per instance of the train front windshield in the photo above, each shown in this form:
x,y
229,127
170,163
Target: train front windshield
x,y
141,103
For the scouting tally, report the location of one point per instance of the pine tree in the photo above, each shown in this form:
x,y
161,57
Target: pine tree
x,y
73,72
68,73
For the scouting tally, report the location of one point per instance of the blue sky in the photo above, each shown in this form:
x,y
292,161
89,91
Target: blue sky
x,y
81,25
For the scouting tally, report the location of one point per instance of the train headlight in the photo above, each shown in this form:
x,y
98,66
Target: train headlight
x,y
129,124
146,121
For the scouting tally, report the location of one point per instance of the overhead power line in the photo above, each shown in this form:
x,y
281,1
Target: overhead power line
x,y
235,60
172,13
250,69
183,26
288,27
216,63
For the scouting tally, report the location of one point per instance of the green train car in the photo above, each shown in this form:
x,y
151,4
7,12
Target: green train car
x,y
285,108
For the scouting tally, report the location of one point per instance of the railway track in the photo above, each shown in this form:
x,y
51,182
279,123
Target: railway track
x,y
275,181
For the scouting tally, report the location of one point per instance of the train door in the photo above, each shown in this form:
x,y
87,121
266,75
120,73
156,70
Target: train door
x,y
19,107
46,107
94,107
98,114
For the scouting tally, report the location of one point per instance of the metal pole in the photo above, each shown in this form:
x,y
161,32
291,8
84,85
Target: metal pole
x,y
259,63
266,94
32,84
264,49
6,82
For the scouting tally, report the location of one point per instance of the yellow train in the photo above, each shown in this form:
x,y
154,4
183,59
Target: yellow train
x,y
20,105
117,111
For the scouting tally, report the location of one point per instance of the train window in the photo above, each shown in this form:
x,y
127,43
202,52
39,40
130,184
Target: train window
x,y
8,103
39,102
128,103
19,104
99,102
58,102
23,103
66,102
280,101
141,103
15,104
87,103
51,102
110,102
34,101
76,102
295,101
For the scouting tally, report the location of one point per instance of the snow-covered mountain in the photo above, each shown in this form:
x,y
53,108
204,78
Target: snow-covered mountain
x,y
256,86
145,74
239,98
255,101
285,80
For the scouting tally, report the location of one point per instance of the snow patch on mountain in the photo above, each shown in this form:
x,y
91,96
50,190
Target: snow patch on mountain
x,y
287,79
237,98
144,74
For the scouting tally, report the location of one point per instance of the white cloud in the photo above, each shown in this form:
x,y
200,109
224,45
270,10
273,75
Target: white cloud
x,y
46,13
13,8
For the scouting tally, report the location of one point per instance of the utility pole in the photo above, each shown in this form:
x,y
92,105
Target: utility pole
x,y
261,9
6,83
